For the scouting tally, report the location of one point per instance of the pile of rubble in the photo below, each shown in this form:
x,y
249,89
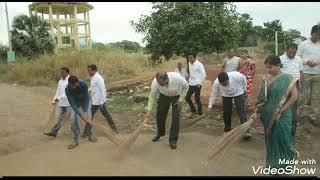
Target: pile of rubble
x,y
129,89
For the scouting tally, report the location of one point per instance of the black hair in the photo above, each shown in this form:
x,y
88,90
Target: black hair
x,y
292,46
162,75
315,29
245,50
223,77
72,80
93,67
273,60
194,54
65,69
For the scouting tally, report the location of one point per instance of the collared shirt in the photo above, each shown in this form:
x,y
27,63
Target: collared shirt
x,y
60,93
176,86
197,73
236,87
231,64
308,50
78,97
291,66
98,90
183,72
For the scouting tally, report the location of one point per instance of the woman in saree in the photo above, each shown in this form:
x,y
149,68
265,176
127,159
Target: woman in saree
x,y
248,69
277,95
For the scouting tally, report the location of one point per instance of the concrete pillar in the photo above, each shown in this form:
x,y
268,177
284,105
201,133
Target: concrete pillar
x,y
59,37
76,37
86,29
89,32
52,30
30,11
51,20
66,21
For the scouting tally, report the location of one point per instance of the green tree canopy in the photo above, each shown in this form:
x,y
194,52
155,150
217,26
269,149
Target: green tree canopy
x,y
179,27
31,36
127,46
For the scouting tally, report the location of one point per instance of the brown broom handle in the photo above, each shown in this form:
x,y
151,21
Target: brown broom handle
x,y
115,139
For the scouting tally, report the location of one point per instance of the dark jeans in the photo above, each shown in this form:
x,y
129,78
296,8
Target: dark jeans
x,y
105,113
196,90
227,109
162,112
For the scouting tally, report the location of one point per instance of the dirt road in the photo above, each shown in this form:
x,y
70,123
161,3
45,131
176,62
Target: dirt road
x,y
24,150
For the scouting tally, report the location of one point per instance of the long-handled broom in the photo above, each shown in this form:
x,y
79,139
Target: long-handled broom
x,y
228,140
113,137
124,146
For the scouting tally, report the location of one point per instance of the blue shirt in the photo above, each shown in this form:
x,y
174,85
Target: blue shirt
x,y
78,97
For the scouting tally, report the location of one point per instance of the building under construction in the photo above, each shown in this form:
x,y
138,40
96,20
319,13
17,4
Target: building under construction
x,y
70,22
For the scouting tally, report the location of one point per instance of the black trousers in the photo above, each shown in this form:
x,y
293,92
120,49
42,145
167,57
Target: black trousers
x,y
105,113
196,90
295,112
162,112
227,109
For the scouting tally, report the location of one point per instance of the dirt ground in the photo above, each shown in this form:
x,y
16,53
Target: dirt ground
x,y
24,150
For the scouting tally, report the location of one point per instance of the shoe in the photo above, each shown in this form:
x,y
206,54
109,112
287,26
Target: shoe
x,y
227,129
115,130
73,145
156,138
84,135
50,134
247,136
173,145
92,139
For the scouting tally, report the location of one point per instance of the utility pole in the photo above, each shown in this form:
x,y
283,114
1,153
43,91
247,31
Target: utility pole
x,y
10,54
9,34
276,42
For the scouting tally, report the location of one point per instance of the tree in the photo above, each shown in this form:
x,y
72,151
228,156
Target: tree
x,y
99,46
247,33
127,46
31,37
3,53
179,27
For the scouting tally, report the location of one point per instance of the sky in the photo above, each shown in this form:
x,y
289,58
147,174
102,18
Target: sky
x,y
110,20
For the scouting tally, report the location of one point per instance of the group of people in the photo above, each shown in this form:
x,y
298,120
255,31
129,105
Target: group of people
x,y
293,74
72,94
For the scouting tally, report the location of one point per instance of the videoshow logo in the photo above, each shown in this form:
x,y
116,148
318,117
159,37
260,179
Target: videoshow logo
x,y
290,168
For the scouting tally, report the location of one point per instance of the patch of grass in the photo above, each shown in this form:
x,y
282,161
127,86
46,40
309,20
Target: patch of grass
x,y
45,70
120,104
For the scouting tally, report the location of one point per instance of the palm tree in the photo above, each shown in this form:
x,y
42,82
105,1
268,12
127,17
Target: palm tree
x,y
31,37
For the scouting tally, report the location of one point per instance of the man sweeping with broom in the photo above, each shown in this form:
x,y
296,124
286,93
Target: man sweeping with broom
x,y
78,96
172,89
61,100
233,86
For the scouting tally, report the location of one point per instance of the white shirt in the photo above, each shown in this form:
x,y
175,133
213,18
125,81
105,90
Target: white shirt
x,y
231,64
61,93
183,73
197,73
98,90
174,86
291,66
236,87
308,50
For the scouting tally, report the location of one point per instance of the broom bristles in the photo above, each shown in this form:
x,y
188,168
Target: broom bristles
x,y
113,137
124,146
229,139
